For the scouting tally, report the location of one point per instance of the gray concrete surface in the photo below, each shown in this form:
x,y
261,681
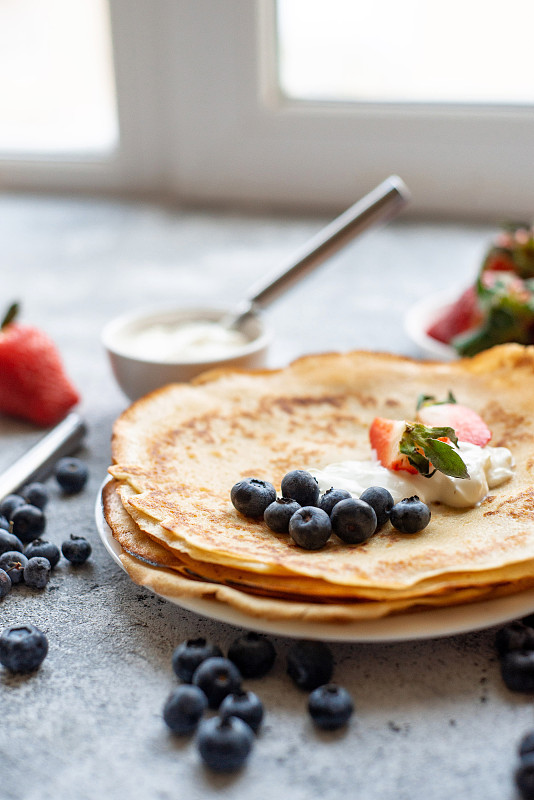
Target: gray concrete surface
x,y
433,720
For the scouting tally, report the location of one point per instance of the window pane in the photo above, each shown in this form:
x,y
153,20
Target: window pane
x,y
57,89
409,51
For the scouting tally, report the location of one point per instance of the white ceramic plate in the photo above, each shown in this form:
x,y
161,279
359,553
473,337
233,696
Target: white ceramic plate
x,y
421,625
421,315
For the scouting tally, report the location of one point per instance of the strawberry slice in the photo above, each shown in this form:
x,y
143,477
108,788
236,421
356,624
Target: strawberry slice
x,y
33,383
385,436
414,447
467,424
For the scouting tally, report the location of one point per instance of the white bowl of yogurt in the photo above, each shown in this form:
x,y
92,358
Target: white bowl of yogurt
x,y
148,349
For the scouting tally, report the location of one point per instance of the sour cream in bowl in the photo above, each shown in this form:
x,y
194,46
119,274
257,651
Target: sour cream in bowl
x,y
149,349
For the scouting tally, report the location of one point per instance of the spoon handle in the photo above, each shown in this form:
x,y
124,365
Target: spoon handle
x,y
381,204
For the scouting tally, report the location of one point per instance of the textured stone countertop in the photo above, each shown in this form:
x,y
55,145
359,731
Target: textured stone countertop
x,y
433,719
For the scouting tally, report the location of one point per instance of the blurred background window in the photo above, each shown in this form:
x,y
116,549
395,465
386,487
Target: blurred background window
x,y
57,93
402,52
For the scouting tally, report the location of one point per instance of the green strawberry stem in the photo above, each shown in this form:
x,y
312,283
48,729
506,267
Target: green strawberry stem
x,y
421,445
10,315
430,400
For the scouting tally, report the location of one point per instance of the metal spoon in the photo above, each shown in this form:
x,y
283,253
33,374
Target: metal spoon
x,y
379,205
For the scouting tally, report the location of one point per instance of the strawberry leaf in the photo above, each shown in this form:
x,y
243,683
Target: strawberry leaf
x,y
445,459
424,450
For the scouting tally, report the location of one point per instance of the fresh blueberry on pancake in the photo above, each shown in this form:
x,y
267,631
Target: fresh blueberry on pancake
x,y
300,486
278,514
328,500
310,528
251,496
410,515
354,521
380,501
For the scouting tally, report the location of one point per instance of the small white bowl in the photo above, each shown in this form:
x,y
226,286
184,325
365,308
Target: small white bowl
x,y
137,375
418,319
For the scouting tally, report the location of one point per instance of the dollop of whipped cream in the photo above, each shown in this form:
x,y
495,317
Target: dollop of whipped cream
x,y
488,468
202,340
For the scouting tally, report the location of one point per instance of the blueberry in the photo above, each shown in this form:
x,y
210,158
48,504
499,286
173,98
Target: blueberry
x,y
380,501
28,523
13,562
184,708
76,549
310,664
37,572
514,636
524,777
35,494
410,515
253,655
9,504
278,514
224,744
40,547
517,670
332,496
190,654
5,583
71,474
251,496
353,521
310,527
245,705
23,648
9,542
4,524
217,677
330,706
526,746
300,486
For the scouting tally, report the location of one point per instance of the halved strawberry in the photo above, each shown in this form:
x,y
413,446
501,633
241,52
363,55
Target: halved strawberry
x,y
468,425
413,447
385,435
33,383
460,316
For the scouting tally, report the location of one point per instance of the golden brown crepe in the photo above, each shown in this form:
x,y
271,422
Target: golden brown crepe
x,y
178,452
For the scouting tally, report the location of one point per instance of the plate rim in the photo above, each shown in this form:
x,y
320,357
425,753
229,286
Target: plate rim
x,y
405,627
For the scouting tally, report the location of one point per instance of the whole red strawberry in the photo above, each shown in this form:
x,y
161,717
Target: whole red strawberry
x,y
33,383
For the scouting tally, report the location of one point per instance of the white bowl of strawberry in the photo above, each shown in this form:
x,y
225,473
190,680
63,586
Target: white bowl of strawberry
x,y
497,308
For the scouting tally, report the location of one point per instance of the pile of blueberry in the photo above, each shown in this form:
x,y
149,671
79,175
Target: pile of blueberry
x,y
24,556
310,519
212,681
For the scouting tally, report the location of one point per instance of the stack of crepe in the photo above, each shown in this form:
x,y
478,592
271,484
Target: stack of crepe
x,y
178,451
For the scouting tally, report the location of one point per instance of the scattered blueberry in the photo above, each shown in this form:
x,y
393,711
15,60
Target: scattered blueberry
x,y
224,744
5,583
44,549
23,648
514,636
410,515
251,496
184,708
526,746
190,654
37,572
245,705
380,501
278,514
253,655
300,486
517,670
76,549
330,706
4,523
310,664
35,494
310,527
27,522
9,504
524,777
217,677
328,500
13,562
9,542
71,474
353,520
